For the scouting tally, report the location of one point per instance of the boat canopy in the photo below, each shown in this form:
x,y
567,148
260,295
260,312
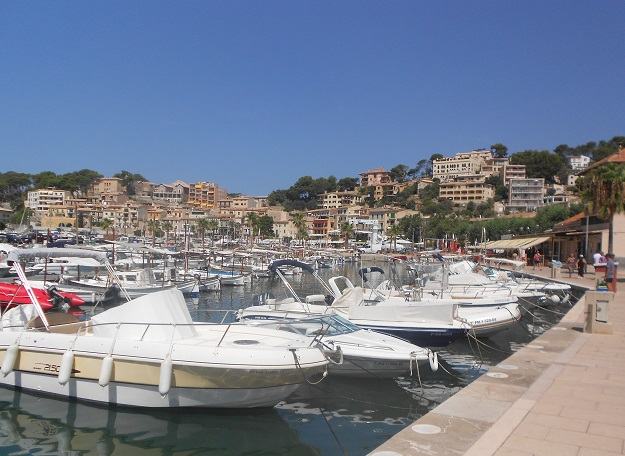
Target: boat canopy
x,y
20,255
364,271
297,264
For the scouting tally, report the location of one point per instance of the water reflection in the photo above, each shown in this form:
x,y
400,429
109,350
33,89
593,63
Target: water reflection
x,y
52,426
338,416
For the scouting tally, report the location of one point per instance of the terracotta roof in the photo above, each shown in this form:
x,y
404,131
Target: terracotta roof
x,y
616,157
570,220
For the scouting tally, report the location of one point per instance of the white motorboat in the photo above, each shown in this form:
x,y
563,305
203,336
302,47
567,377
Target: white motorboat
x,y
136,283
363,353
468,277
149,353
427,322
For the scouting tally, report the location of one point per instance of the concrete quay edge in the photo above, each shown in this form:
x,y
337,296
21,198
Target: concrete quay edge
x,y
561,394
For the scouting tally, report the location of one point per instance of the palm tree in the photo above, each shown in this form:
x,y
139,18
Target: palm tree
x,y
347,231
106,224
213,226
299,222
604,192
393,232
153,226
167,227
202,226
252,222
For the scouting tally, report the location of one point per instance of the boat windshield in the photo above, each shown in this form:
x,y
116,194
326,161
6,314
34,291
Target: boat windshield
x,y
327,325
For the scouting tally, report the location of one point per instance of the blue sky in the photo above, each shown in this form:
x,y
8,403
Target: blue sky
x,y
253,94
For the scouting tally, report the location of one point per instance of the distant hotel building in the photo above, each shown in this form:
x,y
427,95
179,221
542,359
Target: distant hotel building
x,y
334,200
42,199
462,191
579,162
526,195
176,193
464,164
206,194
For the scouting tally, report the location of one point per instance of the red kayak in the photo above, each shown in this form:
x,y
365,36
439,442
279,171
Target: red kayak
x,y
16,294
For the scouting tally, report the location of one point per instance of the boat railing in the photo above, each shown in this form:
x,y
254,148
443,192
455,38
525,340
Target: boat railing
x,y
86,327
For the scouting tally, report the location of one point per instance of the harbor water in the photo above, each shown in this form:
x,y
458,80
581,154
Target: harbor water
x,y
336,416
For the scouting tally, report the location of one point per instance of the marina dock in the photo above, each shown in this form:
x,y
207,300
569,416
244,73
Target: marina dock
x,y
562,394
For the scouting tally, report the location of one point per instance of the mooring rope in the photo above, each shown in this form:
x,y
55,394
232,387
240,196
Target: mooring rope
x,y
527,301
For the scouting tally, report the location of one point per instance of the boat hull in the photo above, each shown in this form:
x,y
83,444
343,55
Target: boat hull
x,y
424,337
148,395
356,366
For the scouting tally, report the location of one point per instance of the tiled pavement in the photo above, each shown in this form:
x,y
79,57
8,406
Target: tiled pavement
x,y
562,394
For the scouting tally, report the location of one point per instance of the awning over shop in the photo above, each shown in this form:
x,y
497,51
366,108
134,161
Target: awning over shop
x,y
513,244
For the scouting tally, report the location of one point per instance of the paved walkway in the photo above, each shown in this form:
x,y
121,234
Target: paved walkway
x,y
562,394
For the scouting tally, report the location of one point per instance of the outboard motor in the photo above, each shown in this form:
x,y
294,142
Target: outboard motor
x,y
112,293
59,302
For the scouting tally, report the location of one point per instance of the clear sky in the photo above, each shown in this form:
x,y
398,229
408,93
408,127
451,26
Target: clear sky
x,y
253,94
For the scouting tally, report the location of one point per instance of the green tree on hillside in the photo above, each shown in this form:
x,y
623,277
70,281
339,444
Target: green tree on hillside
x,y
501,191
540,163
422,168
398,173
347,183
129,180
499,150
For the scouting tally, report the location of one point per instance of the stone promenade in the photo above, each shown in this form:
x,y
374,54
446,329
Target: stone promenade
x,y
562,394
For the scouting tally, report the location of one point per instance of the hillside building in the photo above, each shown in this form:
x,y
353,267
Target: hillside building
x,y
525,195
464,164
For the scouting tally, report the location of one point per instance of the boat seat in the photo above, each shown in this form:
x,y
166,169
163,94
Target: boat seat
x,y
59,323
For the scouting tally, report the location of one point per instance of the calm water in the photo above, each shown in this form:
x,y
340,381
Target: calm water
x,y
335,417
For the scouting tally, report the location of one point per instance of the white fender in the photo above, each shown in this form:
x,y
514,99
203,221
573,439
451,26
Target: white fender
x,y
67,364
106,371
167,369
8,363
433,358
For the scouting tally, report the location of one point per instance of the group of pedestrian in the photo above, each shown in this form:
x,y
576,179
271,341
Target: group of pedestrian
x,y
576,263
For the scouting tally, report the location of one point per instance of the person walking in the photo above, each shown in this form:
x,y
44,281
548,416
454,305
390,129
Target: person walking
x,y
610,272
581,265
571,263
537,260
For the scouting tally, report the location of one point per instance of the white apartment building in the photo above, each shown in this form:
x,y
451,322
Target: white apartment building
x,y
526,195
464,164
579,162
40,200
512,172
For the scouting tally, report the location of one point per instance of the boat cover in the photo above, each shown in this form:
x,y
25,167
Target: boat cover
x,y
297,264
150,317
20,255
